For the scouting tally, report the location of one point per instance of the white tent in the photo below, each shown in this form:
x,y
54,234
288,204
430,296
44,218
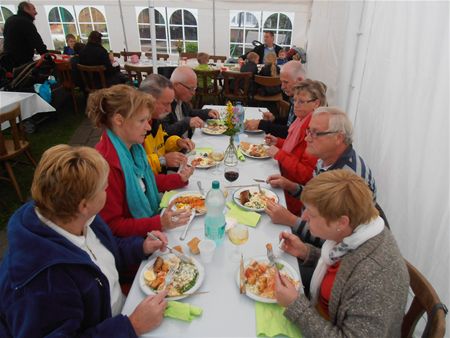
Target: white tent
x,y
386,64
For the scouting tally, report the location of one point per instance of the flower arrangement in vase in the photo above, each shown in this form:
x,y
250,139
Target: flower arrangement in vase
x,y
233,125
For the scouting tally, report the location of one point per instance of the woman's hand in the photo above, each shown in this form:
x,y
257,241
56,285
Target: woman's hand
x,y
293,245
251,124
186,172
272,151
186,143
148,315
175,159
151,245
285,291
278,181
279,214
174,218
270,139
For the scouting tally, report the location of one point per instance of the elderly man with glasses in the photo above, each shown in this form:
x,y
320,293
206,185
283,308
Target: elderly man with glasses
x,y
183,118
329,137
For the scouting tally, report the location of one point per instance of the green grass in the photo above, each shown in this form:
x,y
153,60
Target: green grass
x,y
56,129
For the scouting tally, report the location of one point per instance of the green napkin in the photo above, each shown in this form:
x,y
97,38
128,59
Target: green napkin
x,y
271,322
166,198
182,311
239,154
204,150
250,218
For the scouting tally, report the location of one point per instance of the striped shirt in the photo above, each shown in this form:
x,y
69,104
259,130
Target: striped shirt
x,y
349,160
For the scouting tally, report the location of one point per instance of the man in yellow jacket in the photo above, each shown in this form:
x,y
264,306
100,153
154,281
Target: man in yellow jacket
x,y
163,151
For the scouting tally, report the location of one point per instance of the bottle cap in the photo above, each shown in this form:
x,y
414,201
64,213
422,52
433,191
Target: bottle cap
x,y
215,184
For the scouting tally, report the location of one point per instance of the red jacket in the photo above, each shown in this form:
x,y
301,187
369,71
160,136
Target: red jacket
x,y
297,166
115,212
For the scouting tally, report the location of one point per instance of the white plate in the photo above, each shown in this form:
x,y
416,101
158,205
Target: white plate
x,y
209,131
149,291
188,193
257,157
256,131
191,158
287,269
268,193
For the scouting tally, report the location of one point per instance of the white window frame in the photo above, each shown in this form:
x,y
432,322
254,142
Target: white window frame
x,y
162,11
291,17
169,12
78,10
244,44
71,10
13,10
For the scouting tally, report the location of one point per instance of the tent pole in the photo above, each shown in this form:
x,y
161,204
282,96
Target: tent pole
x,y
123,25
214,27
151,7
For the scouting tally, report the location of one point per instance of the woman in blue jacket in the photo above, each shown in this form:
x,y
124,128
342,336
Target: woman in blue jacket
x,y
60,274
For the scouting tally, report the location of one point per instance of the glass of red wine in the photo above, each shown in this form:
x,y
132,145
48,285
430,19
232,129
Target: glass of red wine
x,y
231,173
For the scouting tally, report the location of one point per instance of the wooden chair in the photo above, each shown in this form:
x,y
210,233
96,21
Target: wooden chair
x,y
208,87
116,54
93,77
158,56
64,70
127,54
267,81
283,108
135,73
425,300
232,88
188,55
13,146
54,51
216,58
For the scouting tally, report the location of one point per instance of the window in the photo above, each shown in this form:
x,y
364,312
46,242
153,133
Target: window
x,y
144,31
62,22
281,26
183,31
244,28
5,13
90,19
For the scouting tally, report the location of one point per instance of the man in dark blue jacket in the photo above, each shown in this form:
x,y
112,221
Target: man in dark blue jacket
x,y
21,37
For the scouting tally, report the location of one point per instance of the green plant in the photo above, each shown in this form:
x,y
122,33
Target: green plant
x,y
191,47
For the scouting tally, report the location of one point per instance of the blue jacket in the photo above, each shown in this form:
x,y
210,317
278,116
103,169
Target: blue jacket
x,y
50,287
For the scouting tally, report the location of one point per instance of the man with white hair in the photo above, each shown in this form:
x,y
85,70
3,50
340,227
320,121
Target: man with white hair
x,y
291,74
183,118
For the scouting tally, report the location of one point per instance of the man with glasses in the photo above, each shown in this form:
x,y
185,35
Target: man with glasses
x,y
183,118
290,75
329,137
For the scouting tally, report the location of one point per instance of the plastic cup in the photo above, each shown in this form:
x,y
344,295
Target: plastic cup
x,y
207,248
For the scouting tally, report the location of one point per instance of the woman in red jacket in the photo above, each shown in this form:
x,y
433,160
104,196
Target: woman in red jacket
x,y
132,205
295,164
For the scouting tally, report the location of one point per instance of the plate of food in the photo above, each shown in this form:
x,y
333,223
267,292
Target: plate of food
x,y
254,150
186,278
254,131
214,130
259,278
189,200
254,199
201,162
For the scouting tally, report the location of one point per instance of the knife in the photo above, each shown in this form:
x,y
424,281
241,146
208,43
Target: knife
x,y
180,255
186,227
271,257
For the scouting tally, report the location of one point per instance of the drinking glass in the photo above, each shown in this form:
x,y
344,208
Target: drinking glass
x,y
238,235
217,156
231,173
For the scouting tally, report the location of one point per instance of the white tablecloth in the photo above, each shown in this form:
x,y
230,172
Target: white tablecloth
x,y
30,104
226,313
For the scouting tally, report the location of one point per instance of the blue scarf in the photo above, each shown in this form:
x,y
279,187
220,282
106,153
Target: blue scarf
x,y
135,167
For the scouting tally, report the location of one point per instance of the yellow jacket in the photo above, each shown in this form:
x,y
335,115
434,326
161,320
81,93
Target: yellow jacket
x,y
157,144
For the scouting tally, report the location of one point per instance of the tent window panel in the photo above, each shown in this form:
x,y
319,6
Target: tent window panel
x,y
53,15
189,19
190,33
248,48
2,25
56,28
161,46
70,28
236,50
85,29
159,18
101,27
236,35
145,45
271,21
251,35
84,15
284,37
144,16
160,32
105,44
285,22
251,20
66,16
97,16
144,32
59,42
5,13
176,18
176,33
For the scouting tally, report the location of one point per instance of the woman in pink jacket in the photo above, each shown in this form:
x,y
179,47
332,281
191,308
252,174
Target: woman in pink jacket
x,y
132,205
295,163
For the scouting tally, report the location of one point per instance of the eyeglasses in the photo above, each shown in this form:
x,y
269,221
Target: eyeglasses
x,y
315,134
303,102
191,89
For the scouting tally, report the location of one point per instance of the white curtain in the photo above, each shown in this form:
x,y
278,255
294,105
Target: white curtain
x,y
387,63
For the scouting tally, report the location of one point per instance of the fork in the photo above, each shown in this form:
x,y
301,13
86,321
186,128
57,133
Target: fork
x,y
271,257
180,255
169,277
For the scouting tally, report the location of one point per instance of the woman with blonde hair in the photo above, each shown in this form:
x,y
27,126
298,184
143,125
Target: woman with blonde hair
x,y
132,205
60,274
295,164
270,67
360,284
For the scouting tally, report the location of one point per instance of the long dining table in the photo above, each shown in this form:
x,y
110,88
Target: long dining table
x,y
226,312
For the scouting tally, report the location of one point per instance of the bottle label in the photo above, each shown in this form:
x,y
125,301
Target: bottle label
x,y
215,233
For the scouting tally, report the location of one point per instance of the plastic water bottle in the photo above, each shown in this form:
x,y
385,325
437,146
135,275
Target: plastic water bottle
x,y
240,114
215,219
